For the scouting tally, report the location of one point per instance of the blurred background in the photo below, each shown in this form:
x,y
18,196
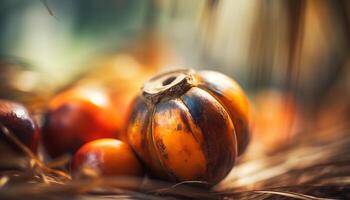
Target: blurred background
x,y
291,57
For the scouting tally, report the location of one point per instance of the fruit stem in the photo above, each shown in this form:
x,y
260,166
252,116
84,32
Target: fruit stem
x,y
168,85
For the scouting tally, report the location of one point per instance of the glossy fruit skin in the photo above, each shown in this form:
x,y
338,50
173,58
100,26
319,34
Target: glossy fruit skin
x,y
75,118
189,125
17,119
109,157
232,97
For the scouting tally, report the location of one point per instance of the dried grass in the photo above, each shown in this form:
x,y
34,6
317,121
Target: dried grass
x,y
306,170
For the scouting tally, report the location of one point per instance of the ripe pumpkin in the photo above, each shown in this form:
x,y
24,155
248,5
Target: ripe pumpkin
x,y
188,125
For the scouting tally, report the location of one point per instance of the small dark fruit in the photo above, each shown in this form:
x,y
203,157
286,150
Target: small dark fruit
x,y
17,120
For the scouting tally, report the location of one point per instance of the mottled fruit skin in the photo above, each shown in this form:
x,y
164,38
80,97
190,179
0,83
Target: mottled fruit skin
x,y
17,119
109,157
188,125
75,118
232,97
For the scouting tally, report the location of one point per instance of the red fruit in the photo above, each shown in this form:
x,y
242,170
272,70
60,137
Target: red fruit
x,y
76,117
108,157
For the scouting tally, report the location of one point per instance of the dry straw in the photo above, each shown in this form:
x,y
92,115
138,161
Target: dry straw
x,y
306,170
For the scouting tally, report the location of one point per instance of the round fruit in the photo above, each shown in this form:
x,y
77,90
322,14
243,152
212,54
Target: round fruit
x,y
76,117
17,119
189,125
107,157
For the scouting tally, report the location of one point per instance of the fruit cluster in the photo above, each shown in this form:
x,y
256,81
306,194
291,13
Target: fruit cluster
x,y
184,125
